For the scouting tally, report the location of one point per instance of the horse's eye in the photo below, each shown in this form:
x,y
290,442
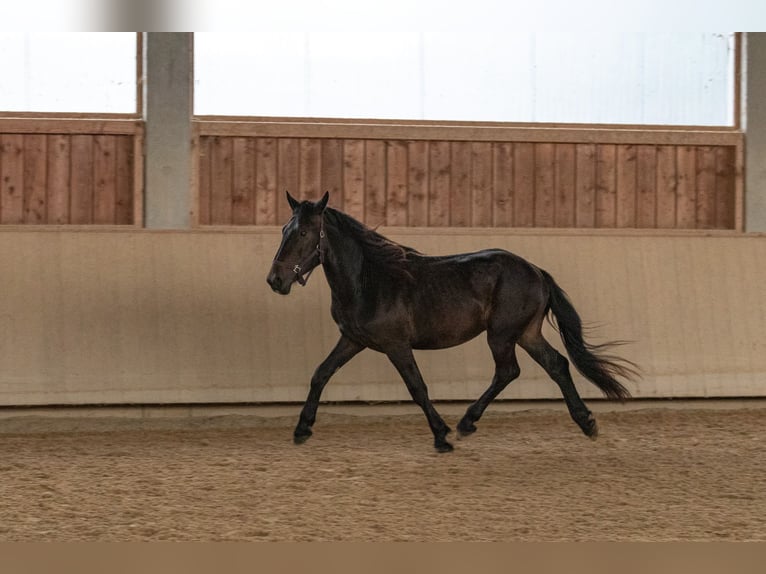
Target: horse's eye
x,y
303,233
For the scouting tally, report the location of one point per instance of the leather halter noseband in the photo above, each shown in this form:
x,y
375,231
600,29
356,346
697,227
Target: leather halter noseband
x,y
300,276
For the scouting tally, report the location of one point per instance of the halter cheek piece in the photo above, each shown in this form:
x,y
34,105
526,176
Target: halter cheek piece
x,y
308,261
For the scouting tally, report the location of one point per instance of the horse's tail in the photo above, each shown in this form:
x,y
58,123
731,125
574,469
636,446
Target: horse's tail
x,y
599,368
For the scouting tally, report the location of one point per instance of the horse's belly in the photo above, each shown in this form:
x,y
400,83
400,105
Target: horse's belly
x,y
448,329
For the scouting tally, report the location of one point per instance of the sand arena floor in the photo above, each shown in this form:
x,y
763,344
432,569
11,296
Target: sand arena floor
x,y
654,474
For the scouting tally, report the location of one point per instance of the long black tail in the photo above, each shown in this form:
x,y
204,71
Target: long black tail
x,y
599,368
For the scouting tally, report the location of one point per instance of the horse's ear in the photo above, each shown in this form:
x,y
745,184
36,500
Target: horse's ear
x,y
294,203
322,203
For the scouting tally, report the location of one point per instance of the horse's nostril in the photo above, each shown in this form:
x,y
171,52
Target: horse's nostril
x,y
274,281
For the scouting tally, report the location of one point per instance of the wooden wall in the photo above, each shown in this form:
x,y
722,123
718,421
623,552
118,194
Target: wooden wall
x,y
94,316
70,171
471,183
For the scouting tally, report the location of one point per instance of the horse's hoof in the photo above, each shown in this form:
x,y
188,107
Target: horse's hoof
x,y
444,447
591,429
302,437
464,431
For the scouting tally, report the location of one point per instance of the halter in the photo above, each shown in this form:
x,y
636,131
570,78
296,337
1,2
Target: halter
x,y
309,261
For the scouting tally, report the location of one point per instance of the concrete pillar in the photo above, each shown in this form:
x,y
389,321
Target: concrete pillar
x,y
168,78
754,123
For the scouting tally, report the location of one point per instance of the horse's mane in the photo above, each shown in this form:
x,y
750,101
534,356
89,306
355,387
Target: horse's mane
x,y
378,251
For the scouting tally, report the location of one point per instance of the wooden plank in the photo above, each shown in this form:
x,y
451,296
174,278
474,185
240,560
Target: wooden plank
x,y
69,125
139,151
439,158
332,170
646,186
606,185
221,176
585,185
104,179
667,183
545,191
482,156
35,179
204,184
267,194
81,202
124,186
470,131
502,184
353,178
626,186
397,173
725,187
460,184
310,169
288,175
706,180
417,183
11,178
565,181
375,183
524,185
59,173
686,196
243,181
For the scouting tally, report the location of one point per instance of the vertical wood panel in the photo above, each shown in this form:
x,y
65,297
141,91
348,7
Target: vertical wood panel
x,y
725,188
646,186
585,185
524,185
439,183
666,186
417,183
35,179
686,197
396,182
310,170
104,179
267,194
606,185
566,171
59,151
204,191
124,186
81,202
353,178
502,183
626,185
545,192
243,201
481,184
460,184
706,180
332,170
375,182
288,176
11,178
221,175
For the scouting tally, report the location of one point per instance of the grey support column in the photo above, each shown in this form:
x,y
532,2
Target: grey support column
x,y
167,111
755,131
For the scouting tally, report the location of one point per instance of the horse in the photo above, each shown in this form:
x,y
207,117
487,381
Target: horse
x,y
392,299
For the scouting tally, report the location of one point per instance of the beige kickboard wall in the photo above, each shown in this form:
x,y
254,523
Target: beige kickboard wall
x,y
126,316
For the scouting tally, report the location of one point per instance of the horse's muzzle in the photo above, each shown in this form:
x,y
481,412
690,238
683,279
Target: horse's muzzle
x,y
277,283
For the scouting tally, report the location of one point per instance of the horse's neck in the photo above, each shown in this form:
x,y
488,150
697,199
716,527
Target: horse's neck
x,y
343,259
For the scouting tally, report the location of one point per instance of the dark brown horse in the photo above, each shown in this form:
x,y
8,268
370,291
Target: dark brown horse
x,y
392,299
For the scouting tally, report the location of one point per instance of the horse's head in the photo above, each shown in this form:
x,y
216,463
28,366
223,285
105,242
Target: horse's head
x,y
299,252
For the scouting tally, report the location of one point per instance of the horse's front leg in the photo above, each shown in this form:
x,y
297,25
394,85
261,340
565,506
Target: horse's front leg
x,y
404,361
343,352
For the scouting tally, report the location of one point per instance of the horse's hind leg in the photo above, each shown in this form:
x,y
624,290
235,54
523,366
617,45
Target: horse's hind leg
x,y
404,361
557,367
506,370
